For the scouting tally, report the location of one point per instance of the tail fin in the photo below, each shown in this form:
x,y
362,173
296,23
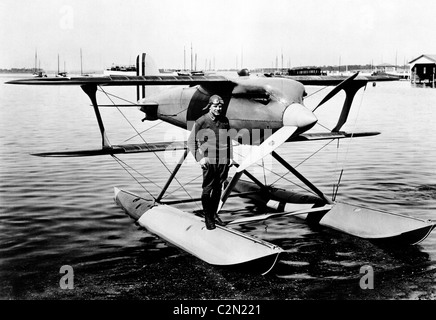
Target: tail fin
x,y
350,91
350,86
145,66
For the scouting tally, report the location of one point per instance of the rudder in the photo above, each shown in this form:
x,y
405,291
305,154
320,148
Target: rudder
x,y
144,66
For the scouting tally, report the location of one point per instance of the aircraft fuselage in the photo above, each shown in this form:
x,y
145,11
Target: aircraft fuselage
x,y
252,105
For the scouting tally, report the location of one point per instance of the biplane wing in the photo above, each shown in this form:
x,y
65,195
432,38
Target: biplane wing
x,y
119,149
211,82
118,80
181,145
335,80
160,80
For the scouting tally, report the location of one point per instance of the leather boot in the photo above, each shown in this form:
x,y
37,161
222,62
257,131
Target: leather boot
x,y
208,213
210,223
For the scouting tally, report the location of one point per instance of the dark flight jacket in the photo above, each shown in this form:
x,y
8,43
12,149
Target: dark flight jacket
x,y
211,138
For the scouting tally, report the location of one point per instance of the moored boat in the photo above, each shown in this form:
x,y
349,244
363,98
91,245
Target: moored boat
x,y
117,70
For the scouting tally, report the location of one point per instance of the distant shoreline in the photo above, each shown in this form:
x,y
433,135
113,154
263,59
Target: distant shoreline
x,y
19,70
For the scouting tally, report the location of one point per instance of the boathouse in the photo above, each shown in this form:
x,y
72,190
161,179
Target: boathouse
x,y
423,69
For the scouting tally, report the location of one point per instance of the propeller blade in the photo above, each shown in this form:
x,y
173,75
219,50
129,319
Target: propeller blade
x,y
268,146
296,117
258,152
336,89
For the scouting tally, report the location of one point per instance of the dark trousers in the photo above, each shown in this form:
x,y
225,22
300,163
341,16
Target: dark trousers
x,y
213,178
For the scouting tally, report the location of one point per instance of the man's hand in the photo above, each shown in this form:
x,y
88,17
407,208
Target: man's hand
x,y
204,162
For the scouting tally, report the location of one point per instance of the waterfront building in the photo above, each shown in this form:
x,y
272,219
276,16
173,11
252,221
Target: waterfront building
x,y
423,69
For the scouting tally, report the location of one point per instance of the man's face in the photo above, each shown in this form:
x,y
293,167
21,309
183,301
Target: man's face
x,y
216,108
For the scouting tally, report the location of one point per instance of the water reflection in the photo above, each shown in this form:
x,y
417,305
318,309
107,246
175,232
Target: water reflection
x,y
339,257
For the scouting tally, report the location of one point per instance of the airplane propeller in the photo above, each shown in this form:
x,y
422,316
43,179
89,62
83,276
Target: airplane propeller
x,y
296,118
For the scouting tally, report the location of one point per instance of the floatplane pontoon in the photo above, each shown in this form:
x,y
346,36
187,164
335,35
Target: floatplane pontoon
x,y
264,112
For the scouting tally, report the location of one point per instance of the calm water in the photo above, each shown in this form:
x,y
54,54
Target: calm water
x,y
57,211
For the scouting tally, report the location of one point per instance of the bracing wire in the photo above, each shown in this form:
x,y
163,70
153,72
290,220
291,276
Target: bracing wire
x,y
124,165
323,126
116,96
264,175
177,189
335,191
336,186
303,161
192,180
153,126
133,103
319,90
280,176
143,131
133,127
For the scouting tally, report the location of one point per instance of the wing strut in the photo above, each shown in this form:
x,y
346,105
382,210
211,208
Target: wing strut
x,y
173,174
91,91
265,148
301,177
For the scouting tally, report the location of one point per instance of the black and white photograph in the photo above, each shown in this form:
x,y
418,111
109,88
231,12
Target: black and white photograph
x,y
218,158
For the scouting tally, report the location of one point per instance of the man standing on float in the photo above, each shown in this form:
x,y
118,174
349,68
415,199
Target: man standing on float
x,y
211,146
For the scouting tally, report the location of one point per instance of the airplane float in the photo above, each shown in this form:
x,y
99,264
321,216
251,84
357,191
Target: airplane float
x,y
252,105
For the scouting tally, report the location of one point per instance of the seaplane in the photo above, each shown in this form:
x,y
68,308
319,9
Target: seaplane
x,y
264,113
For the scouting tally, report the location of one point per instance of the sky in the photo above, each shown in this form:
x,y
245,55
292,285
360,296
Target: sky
x,y
223,33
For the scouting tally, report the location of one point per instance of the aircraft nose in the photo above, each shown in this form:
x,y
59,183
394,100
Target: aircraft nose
x,y
299,116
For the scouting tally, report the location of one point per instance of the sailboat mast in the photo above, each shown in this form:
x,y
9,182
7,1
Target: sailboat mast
x,y
191,58
36,58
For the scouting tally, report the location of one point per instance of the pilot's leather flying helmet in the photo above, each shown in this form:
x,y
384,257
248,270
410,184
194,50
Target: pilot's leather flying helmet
x,y
215,99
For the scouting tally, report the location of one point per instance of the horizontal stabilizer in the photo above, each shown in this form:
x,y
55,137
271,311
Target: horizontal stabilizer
x,y
119,149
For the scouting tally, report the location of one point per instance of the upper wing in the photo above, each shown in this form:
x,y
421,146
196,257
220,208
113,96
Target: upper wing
x,y
159,80
125,80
